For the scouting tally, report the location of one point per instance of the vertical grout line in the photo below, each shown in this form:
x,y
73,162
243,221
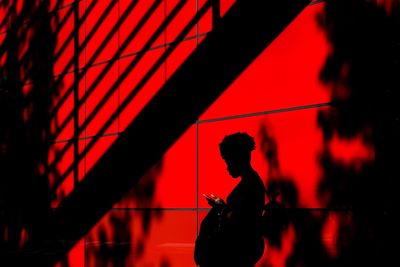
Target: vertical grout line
x,y
197,24
76,92
165,41
84,131
197,178
119,67
84,105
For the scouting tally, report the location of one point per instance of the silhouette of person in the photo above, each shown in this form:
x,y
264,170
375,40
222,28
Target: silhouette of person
x,y
230,234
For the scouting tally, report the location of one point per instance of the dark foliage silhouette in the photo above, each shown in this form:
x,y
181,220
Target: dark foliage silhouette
x,y
116,249
362,74
275,217
308,249
362,71
25,126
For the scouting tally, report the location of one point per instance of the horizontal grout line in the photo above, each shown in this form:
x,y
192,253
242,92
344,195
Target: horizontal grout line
x,y
207,209
157,209
265,112
128,55
89,137
142,51
218,119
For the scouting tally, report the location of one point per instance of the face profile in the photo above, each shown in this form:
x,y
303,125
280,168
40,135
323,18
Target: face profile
x,y
232,169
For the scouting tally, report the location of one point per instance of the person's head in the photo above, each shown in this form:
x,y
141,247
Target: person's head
x,y
236,151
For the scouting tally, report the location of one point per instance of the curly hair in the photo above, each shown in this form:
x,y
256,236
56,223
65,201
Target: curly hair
x,y
237,145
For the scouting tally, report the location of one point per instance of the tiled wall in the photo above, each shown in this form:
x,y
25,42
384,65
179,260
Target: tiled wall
x,y
105,61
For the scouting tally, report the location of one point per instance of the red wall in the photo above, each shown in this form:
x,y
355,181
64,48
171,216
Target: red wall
x,y
156,224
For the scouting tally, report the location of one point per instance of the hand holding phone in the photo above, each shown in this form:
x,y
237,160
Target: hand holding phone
x,y
213,200
208,197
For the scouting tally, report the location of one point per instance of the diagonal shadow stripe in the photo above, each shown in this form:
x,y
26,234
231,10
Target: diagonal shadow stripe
x,y
64,46
58,29
87,13
134,91
247,29
97,53
123,75
138,27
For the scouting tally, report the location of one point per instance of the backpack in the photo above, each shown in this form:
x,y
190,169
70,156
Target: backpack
x,y
274,220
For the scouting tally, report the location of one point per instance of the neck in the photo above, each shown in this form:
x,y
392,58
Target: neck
x,y
246,171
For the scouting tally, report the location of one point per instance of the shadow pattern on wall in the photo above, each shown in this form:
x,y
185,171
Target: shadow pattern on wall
x,y
25,125
28,88
362,74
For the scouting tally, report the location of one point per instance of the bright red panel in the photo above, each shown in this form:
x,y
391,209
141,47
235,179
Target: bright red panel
x,y
134,77
64,109
180,54
97,95
299,142
142,238
62,175
182,19
137,43
286,74
75,257
19,6
101,33
351,151
171,183
205,23
65,41
82,105
60,183
226,5
201,38
97,150
330,232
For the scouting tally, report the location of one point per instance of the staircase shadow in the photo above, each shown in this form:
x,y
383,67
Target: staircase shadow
x,y
244,32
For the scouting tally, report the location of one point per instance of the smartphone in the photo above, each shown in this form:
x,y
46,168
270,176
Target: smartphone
x,y
208,197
